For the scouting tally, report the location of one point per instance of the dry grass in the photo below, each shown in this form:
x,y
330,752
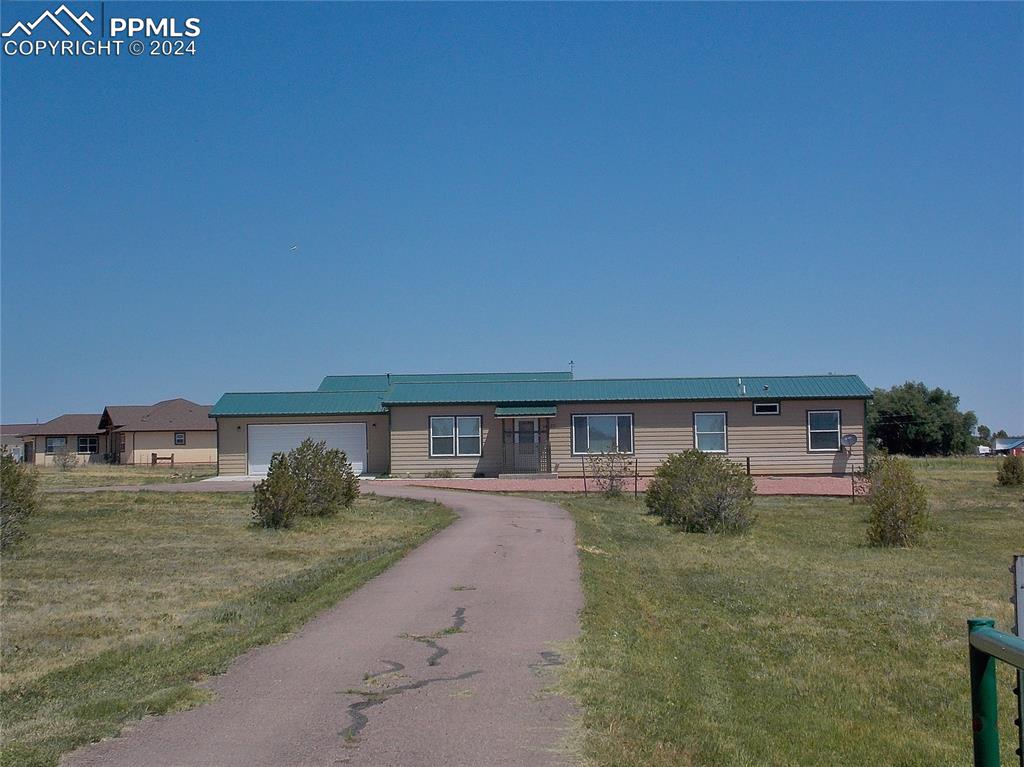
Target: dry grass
x,y
116,602
103,474
795,644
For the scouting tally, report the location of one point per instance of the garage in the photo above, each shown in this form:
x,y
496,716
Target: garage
x,y
266,439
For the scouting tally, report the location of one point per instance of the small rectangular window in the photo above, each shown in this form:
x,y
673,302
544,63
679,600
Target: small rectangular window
x,y
179,438
823,431
709,432
56,444
766,408
455,435
89,445
602,434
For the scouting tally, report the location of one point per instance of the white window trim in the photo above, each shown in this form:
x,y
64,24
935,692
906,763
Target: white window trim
x,y
724,432
184,439
455,436
616,416
78,446
776,405
838,431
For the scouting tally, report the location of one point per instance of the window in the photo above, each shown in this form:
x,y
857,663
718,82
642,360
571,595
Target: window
x,y
709,432
451,435
602,434
89,445
766,408
823,430
56,444
179,438
121,441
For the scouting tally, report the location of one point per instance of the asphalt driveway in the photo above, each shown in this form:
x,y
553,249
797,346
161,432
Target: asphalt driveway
x,y
442,660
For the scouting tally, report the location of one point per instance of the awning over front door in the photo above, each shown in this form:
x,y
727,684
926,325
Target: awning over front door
x,y
525,411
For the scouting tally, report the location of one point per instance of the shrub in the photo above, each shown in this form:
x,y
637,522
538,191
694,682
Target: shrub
x,y
277,498
19,497
65,459
702,493
899,507
609,471
1011,471
439,474
324,477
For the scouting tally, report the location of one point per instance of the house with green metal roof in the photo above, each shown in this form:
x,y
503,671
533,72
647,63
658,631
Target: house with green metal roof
x,y
548,423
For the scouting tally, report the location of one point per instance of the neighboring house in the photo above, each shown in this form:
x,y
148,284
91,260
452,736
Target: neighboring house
x,y
489,424
76,432
1009,446
174,428
12,438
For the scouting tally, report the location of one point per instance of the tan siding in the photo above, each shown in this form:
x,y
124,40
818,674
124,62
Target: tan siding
x,y
410,442
774,444
199,447
233,460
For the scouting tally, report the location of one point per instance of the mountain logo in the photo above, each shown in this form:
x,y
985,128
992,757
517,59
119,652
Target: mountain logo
x,y
63,12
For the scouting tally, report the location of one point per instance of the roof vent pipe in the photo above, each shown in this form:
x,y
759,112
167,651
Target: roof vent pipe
x,y
742,388
389,378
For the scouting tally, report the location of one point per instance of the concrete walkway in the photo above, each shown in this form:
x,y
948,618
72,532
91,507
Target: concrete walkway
x,y
442,660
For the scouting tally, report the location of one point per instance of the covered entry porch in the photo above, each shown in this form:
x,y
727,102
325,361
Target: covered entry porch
x,y
525,439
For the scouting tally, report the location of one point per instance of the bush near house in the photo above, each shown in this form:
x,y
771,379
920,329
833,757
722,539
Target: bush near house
x,y
310,481
324,477
702,493
276,498
1011,471
65,459
899,507
609,471
19,497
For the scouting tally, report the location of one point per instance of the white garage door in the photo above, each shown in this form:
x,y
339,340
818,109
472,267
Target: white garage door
x,y
267,439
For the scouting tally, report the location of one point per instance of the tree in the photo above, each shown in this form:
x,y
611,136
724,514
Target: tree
x,y
984,433
912,419
1001,434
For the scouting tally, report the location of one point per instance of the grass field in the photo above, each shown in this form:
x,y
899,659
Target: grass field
x,y
100,474
115,602
795,644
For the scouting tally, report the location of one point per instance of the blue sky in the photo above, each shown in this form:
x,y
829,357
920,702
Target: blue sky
x,y
648,190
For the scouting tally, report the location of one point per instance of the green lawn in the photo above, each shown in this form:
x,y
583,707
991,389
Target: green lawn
x,y
116,602
795,644
101,474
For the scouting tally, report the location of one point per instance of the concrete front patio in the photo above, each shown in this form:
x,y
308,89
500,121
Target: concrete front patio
x,y
796,485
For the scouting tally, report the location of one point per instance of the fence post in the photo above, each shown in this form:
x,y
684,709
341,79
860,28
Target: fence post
x,y
983,700
748,465
636,480
583,463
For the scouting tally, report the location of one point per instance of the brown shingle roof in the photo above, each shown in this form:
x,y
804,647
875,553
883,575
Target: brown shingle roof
x,y
169,415
16,429
69,423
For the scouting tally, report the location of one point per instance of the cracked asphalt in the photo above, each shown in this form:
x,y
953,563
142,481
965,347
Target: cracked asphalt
x,y
445,659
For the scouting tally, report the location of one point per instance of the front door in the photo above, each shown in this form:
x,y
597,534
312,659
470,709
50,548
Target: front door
x,y
526,442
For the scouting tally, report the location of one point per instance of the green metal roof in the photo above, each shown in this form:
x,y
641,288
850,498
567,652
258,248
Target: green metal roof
x,y
631,390
525,411
526,394
297,403
384,382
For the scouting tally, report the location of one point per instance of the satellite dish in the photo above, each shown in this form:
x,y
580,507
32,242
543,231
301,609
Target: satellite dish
x,y
849,440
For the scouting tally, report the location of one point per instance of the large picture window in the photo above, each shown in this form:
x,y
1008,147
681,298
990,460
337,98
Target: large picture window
x,y
709,432
602,434
90,445
455,435
823,431
56,444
